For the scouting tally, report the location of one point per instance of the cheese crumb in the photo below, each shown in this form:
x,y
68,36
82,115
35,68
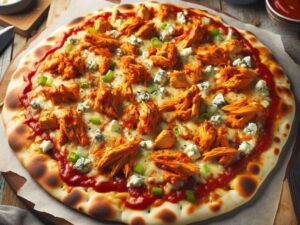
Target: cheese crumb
x,y
149,145
135,181
250,129
46,145
192,151
246,147
161,77
219,100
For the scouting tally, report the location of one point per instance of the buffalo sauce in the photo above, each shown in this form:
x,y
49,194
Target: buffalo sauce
x,y
288,8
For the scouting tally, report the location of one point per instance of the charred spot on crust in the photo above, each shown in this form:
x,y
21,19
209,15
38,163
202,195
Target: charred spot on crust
x,y
253,168
287,126
126,6
73,198
284,108
276,151
138,221
246,185
278,72
21,72
41,51
76,21
277,139
52,181
19,137
37,167
51,39
285,91
101,209
167,216
12,99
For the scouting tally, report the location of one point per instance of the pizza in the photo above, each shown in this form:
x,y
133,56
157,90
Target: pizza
x,y
149,114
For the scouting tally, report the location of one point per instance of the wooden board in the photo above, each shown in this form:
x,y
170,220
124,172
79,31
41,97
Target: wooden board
x,y
285,214
27,21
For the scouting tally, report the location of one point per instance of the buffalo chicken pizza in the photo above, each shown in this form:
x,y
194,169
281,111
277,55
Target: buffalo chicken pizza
x,y
149,114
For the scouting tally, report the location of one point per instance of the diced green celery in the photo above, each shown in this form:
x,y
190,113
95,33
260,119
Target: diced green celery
x,y
109,76
85,85
165,26
139,168
152,88
215,32
155,42
82,153
91,30
113,64
205,20
95,120
157,191
190,196
73,157
204,116
115,127
177,130
43,80
68,47
49,82
204,168
212,109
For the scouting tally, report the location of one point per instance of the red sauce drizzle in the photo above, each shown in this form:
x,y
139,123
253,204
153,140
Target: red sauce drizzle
x,y
141,198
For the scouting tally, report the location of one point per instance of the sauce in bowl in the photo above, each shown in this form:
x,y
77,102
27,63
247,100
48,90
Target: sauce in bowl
x,y
287,8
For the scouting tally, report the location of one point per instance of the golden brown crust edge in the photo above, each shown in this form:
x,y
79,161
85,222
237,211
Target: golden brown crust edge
x,y
103,206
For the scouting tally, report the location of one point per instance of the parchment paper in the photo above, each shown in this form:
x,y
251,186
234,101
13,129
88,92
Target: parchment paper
x,y
260,211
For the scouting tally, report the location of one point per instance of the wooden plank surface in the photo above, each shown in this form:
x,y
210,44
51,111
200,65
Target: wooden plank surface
x,y
254,14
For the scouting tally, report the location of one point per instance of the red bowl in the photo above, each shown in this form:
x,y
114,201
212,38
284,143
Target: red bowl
x,y
281,19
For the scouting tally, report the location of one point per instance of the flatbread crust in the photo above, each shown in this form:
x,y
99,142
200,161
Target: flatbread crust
x,y
104,206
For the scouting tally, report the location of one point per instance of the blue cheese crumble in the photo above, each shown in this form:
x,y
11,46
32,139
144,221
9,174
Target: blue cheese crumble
x,y
250,129
99,136
244,62
149,145
84,106
246,147
192,151
216,119
135,181
142,96
261,86
83,164
161,77
46,145
218,100
134,40
181,17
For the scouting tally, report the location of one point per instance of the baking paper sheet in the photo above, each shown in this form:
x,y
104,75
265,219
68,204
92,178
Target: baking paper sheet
x,y
260,211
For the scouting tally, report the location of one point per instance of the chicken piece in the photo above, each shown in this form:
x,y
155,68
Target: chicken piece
x,y
134,72
184,107
72,129
63,94
129,49
222,138
194,71
196,34
166,57
205,136
102,25
164,12
67,65
149,117
48,121
124,91
178,80
177,165
107,102
239,78
101,51
130,116
120,158
104,65
146,31
131,25
152,51
234,47
241,112
144,13
101,41
166,139
213,55
224,155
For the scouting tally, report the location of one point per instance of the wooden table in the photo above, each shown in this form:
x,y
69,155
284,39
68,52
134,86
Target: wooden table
x,y
254,14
